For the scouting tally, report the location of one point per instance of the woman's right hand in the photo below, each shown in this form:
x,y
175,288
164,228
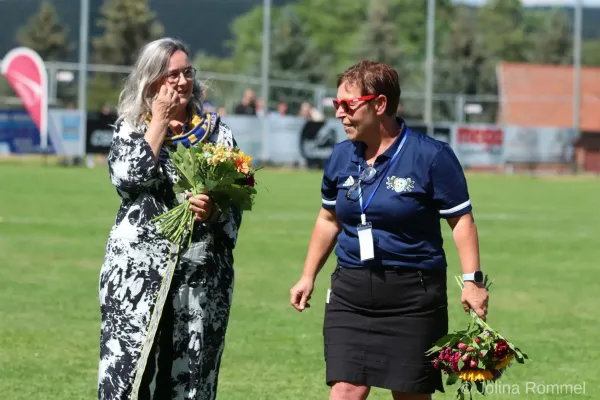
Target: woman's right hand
x,y
165,104
301,292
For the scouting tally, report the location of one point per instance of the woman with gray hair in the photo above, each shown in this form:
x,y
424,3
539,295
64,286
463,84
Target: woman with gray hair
x,y
165,308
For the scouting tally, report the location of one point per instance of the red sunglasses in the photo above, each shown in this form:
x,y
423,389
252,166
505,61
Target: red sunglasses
x,y
345,103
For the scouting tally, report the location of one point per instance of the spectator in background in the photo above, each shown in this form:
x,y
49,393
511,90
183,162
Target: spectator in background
x,y
107,109
247,105
282,108
208,106
316,115
260,111
305,109
309,112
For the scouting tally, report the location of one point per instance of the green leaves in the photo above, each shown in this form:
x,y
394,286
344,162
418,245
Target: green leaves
x,y
128,25
450,339
186,164
46,34
210,169
451,380
480,387
519,355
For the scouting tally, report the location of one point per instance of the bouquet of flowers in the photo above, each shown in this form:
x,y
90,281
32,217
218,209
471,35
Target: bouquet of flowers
x,y
475,355
225,174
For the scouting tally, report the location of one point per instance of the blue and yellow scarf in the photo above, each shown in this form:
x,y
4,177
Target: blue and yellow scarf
x,y
197,129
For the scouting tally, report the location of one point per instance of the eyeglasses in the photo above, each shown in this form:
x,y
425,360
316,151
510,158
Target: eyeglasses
x,y
188,74
366,176
345,103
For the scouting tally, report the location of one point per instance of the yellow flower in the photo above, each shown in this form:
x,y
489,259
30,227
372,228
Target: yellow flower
x,y
476,375
504,362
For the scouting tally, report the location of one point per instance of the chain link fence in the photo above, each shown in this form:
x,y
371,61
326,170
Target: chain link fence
x,y
224,93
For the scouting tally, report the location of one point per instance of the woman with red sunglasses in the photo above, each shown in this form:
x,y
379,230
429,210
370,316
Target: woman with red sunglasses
x,y
384,192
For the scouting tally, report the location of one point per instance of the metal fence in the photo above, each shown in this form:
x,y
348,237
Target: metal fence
x,y
225,91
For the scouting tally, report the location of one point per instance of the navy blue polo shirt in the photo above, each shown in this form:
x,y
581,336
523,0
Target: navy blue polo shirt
x,y
424,184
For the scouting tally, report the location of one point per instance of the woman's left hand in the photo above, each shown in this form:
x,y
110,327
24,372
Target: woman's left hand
x,y
202,205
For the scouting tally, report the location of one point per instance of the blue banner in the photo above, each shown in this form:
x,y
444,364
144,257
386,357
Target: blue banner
x,y
19,135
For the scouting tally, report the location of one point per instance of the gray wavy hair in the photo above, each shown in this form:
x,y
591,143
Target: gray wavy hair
x,y
135,101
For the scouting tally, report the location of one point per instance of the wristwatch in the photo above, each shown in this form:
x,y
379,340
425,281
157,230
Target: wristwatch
x,y
476,276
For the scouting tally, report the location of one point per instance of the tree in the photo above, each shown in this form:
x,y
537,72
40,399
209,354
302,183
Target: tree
x,y
379,36
590,52
102,90
459,65
222,92
411,18
45,34
334,30
295,57
294,54
500,35
247,40
128,25
552,38
48,36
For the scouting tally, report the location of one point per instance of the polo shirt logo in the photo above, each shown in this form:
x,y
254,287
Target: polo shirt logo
x,y
349,182
400,185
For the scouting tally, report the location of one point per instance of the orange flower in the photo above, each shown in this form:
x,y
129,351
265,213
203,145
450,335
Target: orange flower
x,y
242,163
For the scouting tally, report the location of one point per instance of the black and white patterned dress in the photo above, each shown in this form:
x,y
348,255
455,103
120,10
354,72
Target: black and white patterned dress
x,y
164,309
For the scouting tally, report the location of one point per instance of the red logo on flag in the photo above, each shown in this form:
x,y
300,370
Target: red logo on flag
x,y
25,71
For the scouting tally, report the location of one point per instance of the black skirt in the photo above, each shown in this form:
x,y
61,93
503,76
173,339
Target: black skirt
x,y
380,322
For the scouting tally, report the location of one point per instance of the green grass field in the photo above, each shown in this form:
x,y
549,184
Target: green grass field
x,y
539,240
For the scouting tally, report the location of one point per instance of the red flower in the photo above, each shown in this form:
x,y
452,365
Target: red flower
x,y
501,349
454,361
249,181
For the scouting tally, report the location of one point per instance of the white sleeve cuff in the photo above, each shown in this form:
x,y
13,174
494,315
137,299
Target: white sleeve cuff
x,y
457,208
329,202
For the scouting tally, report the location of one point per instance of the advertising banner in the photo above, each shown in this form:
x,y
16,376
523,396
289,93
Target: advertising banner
x,y
99,133
63,130
19,134
538,145
25,72
478,145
